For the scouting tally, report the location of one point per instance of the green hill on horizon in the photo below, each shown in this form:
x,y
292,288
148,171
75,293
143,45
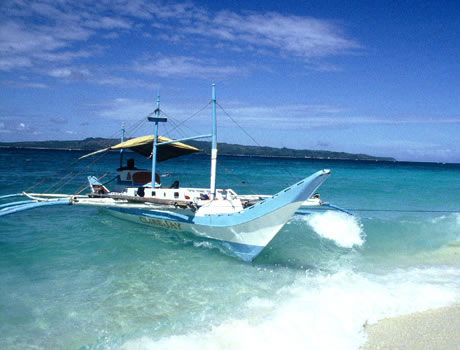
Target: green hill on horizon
x,y
96,143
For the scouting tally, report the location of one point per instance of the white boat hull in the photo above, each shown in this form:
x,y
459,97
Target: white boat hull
x,y
245,233
245,240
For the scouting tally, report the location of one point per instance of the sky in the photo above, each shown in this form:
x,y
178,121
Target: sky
x,y
373,77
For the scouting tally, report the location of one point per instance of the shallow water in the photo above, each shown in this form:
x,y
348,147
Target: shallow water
x,y
78,278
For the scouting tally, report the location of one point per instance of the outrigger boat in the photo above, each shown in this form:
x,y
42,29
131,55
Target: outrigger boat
x,y
244,225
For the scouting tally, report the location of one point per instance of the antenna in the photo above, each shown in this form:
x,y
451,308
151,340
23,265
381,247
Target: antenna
x,y
156,119
122,139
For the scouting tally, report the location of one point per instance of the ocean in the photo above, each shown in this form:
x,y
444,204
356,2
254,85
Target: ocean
x,y
79,278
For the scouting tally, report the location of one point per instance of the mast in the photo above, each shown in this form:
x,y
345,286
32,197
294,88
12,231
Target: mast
x,y
214,145
156,120
122,140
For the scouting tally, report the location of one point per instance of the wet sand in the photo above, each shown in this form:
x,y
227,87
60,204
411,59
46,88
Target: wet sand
x,y
437,329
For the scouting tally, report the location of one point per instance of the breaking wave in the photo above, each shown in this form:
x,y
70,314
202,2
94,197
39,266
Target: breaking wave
x,y
345,230
319,312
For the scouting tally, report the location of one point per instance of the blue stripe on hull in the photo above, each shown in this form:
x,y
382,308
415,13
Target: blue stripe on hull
x,y
246,252
162,215
245,233
295,193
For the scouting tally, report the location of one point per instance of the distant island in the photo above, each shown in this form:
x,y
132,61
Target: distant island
x,y
95,143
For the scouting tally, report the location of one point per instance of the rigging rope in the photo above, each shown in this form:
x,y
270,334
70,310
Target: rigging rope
x,y
193,115
48,177
134,128
84,188
174,127
129,133
62,179
81,171
244,182
258,144
407,210
238,125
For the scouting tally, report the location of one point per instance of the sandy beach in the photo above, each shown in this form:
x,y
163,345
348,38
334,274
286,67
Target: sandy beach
x,y
436,329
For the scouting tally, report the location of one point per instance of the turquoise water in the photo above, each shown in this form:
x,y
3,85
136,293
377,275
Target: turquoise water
x,y
78,278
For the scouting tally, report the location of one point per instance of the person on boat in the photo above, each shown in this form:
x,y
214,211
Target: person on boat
x,y
129,165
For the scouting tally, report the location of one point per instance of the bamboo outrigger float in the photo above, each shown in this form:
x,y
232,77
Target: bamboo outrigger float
x,y
243,224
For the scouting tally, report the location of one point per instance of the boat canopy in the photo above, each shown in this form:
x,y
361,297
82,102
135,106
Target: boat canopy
x,y
143,145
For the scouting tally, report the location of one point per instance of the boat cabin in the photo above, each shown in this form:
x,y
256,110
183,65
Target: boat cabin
x,y
130,176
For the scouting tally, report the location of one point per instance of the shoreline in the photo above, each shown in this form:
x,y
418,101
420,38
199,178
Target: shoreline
x,y
370,160
222,154
432,329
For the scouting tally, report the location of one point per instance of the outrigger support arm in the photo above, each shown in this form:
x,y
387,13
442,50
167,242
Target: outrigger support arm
x,y
27,205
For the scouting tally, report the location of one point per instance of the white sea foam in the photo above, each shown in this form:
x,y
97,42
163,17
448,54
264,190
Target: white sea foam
x,y
457,227
321,312
345,230
204,244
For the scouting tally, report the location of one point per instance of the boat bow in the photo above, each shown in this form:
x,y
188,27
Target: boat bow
x,y
248,231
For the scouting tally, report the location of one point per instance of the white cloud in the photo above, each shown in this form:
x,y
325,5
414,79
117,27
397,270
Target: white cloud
x,y
68,72
108,23
301,36
18,39
26,42
294,117
111,36
416,150
21,127
26,45
12,62
63,56
60,73
59,120
181,66
304,116
126,109
104,79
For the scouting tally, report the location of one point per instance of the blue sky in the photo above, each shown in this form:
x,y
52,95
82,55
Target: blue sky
x,y
375,77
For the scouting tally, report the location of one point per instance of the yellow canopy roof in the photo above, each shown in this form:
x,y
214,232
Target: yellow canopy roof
x,y
143,145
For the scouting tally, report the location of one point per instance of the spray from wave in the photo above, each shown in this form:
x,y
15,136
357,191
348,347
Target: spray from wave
x,y
319,312
345,230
